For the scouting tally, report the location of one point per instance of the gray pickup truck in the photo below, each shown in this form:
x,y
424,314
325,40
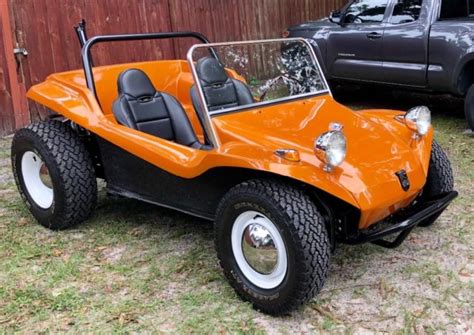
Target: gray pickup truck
x,y
417,44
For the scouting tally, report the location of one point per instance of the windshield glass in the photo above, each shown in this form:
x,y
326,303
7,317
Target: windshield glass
x,y
244,74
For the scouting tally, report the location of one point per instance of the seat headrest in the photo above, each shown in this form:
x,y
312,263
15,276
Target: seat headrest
x,y
135,83
210,71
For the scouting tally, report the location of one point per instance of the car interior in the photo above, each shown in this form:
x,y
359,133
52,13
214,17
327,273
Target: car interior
x,y
220,90
142,107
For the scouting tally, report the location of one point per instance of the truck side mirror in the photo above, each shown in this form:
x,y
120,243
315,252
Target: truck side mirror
x,y
335,16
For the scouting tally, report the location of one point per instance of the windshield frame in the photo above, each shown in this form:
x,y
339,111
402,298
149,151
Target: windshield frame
x,y
207,118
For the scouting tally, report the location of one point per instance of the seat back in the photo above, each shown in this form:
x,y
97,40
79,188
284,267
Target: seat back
x,y
219,89
140,106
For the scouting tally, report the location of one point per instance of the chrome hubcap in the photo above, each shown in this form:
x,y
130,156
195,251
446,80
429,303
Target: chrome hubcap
x,y
37,180
259,250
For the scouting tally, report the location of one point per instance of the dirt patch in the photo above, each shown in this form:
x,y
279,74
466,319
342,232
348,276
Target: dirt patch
x,y
113,255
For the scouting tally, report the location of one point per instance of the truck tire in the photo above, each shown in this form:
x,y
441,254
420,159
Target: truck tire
x,y
54,174
440,178
272,244
469,107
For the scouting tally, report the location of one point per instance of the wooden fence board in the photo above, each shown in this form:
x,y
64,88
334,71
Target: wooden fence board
x,y
44,28
6,105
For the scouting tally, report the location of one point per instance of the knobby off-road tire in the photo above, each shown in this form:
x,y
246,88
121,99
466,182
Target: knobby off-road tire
x,y
469,107
440,178
70,195
302,231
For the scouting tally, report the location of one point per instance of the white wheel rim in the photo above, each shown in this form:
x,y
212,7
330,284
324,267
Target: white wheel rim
x,y
261,280
35,175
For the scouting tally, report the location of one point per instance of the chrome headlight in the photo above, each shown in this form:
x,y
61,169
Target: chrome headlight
x,y
331,147
419,119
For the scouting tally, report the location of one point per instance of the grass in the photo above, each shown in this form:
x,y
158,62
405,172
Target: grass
x,y
138,268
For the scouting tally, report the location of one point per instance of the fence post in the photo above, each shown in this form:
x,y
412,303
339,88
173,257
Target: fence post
x,y
18,91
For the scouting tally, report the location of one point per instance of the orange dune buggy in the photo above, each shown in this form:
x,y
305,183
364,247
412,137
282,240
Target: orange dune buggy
x,y
245,134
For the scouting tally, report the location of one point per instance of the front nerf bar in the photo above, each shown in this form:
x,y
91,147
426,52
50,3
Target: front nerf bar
x,y
421,212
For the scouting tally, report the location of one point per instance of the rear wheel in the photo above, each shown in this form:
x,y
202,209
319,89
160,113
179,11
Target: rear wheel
x,y
272,244
54,174
440,178
469,107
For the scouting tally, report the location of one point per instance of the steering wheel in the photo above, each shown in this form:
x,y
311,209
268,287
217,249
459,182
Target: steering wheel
x,y
351,18
268,87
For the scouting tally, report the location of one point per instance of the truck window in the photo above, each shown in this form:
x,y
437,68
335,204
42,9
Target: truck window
x,y
455,9
406,11
366,11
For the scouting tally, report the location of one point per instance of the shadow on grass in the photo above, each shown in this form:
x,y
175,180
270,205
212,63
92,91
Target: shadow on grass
x,y
121,215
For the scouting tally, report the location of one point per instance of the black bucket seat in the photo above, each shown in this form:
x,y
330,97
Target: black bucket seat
x,y
140,106
220,90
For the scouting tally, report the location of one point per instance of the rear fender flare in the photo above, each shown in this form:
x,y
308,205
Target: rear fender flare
x,y
77,105
463,76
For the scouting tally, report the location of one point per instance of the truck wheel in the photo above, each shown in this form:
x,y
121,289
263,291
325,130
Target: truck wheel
x,y
273,245
469,107
440,178
54,174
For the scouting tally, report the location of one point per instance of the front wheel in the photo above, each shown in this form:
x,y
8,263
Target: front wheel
x,y
54,174
273,245
440,178
469,107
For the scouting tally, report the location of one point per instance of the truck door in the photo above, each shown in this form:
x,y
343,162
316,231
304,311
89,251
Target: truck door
x,y
355,48
405,43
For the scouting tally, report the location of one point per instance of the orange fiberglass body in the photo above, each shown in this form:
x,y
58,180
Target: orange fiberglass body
x,y
378,144
246,134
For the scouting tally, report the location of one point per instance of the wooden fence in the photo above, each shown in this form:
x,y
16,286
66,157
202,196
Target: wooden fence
x,y
7,122
45,29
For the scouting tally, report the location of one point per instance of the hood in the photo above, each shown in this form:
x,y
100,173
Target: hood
x,y
313,25
375,152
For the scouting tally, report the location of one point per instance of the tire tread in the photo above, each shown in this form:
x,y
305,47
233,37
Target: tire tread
x,y
440,178
75,169
307,227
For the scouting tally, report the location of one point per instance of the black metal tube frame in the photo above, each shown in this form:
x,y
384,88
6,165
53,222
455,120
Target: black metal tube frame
x,y
403,228
86,49
81,32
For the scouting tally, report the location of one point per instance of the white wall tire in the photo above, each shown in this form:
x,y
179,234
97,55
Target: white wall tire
x,y
300,248
245,222
32,168
54,174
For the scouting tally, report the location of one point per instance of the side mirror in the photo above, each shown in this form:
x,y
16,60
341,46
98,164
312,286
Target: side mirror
x,y
335,16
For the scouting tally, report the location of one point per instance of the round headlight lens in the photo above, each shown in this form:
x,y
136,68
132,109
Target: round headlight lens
x,y
331,148
419,119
